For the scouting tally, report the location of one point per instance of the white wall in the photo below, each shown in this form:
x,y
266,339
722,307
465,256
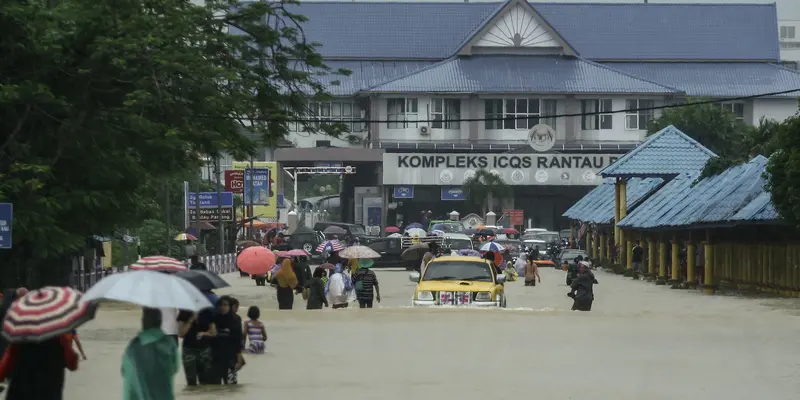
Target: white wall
x,y
777,109
411,134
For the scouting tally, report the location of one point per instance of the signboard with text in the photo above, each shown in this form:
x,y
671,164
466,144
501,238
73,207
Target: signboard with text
x,y
515,217
452,193
6,224
234,181
262,190
211,214
403,192
515,169
210,199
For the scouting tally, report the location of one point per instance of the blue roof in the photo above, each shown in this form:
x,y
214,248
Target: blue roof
x,y
717,79
365,74
598,205
505,73
668,152
684,201
759,210
392,30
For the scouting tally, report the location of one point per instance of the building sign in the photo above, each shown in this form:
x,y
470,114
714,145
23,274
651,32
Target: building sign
x,y
452,193
6,224
542,137
234,181
515,169
403,192
515,217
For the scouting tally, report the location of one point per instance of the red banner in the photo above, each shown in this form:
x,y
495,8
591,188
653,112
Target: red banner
x,y
516,217
234,181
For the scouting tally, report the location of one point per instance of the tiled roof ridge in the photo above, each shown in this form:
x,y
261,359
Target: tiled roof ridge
x,y
395,79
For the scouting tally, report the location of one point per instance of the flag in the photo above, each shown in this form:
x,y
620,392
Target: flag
x,y
582,230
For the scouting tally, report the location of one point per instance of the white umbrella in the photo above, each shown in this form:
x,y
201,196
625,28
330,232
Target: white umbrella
x,y
359,252
148,289
416,232
395,235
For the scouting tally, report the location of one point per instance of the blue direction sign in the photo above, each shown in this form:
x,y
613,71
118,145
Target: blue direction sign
x,y
6,219
209,199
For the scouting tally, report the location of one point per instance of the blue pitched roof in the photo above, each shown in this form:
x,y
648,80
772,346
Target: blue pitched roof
x,y
684,201
383,30
598,205
717,79
365,74
506,73
668,152
759,210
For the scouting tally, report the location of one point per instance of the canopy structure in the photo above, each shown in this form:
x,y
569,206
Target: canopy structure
x,y
597,207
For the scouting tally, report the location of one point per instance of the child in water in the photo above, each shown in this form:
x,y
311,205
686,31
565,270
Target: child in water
x,y
255,331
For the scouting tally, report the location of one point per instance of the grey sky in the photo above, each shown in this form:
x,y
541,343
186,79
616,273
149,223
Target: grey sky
x,y
787,9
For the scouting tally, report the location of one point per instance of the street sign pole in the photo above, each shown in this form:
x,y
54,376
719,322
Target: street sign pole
x,y
252,234
220,227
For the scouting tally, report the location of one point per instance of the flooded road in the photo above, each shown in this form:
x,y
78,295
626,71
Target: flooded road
x,y
641,341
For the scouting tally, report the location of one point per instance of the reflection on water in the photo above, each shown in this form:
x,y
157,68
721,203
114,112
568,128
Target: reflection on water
x,y
641,341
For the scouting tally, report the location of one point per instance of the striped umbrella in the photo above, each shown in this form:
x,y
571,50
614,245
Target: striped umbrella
x,y
331,246
158,263
492,246
46,313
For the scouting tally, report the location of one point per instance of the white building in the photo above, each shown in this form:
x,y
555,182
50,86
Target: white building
x,y
480,76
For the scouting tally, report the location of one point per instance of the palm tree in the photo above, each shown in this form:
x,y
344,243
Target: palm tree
x,y
483,188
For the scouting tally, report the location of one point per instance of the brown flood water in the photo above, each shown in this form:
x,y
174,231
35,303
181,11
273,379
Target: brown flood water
x,y
641,342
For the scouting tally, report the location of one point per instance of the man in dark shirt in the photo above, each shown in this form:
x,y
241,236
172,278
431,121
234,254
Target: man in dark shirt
x,y
196,331
366,284
637,256
195,263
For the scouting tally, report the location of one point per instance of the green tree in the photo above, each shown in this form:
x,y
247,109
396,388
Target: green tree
x,y
102,102
783,170
484,188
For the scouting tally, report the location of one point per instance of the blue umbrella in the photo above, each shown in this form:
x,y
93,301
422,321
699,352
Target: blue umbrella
x,y
415,225
492,246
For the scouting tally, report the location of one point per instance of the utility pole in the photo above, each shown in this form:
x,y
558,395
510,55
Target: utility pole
x,y
198,178
251,188
220,227
167,239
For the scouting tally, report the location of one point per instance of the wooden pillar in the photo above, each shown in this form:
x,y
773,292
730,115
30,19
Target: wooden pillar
x,y
572,235
662,262
691,263
708,282
676,265
602,247
623,211
629,253
651,257
616,213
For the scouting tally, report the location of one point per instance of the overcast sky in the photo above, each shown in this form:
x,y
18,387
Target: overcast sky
x,y
787,9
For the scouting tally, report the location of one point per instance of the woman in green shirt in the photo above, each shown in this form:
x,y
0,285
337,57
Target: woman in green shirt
x,y
150,362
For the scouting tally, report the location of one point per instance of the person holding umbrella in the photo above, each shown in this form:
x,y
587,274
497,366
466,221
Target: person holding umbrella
x,y
36,326
366,282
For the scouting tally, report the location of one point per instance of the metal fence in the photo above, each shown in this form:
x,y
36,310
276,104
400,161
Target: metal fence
x,y
219,264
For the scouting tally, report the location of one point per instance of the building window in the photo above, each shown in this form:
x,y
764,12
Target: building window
x,y
637,115
402,113
446,113
519,113
787,32
331,112
596,115
736,108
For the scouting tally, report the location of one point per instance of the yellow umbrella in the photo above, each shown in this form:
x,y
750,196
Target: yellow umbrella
x,y
184,237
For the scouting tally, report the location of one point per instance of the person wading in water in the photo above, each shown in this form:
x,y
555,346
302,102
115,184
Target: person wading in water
x,y
582,289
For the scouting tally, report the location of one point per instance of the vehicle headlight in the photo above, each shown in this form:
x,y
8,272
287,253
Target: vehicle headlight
x,y
483,296
425,295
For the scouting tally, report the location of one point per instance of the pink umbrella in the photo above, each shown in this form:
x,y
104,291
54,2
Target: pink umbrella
x,y
391,229
294,253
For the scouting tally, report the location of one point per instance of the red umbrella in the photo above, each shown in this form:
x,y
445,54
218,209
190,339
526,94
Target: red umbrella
x,y
158,263
294,253
391,229
255,260
511,231
46,313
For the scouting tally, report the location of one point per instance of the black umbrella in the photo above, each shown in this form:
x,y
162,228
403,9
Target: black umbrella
x,y
487,232
203,280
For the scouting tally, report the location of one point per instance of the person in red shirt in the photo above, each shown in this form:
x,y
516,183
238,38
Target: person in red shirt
x,y
36,370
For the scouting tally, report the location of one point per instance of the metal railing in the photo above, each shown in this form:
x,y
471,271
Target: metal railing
x,y
219,264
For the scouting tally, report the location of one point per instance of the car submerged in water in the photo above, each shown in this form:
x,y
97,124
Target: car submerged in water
x,y
459,281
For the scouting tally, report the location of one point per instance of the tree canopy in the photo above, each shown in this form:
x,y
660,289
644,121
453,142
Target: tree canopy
x,y
783,170
484,188
102,101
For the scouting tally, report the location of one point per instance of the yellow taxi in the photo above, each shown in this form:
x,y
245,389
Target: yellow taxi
x,y
459,281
